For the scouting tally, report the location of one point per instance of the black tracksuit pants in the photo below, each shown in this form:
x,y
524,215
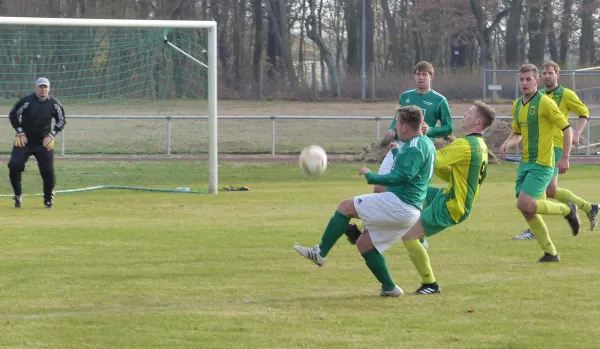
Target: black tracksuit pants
x,y
45,160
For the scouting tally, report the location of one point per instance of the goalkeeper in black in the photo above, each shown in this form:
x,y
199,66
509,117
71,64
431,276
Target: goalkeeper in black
x,y
31,117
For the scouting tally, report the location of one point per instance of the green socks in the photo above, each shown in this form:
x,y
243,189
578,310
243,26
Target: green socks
x,y
335,229
376,263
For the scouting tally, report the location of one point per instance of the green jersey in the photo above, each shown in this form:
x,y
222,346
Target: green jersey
x,y
434,107
411,172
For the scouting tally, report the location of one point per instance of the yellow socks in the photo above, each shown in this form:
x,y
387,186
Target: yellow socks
x,y
418,255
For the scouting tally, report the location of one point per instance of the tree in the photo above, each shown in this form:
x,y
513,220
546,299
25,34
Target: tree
x,y
513,29
484,31
325,52
587,47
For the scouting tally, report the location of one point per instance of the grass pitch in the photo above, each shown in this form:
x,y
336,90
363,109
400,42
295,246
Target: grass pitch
x,y
120,269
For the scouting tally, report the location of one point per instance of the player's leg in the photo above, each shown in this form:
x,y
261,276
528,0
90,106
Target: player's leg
x,y
433,220
16,166
532,181
45,159
338,223
376,263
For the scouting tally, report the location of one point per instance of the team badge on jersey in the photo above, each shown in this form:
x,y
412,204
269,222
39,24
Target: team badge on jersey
x,y
532,110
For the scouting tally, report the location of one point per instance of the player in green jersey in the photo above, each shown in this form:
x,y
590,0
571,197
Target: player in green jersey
x,y
463,165
387,215
567,102
435,109
535,116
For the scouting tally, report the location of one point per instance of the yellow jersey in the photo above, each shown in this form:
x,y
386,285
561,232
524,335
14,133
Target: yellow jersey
x,y
535,122
567,102
463,164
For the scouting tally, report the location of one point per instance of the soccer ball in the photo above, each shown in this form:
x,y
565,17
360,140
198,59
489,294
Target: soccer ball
x,y
313,160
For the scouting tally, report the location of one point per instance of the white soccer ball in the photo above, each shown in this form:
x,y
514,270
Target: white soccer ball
x,y
313,160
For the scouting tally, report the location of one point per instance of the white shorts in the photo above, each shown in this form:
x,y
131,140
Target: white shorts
x,y
386,217
388,161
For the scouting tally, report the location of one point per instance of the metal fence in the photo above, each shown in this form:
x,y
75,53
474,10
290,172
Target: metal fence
x,y
170,135
501,85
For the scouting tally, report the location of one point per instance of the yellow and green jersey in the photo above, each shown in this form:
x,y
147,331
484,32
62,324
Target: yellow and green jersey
x,y
535,122
463,164
434,107
567,102
411,172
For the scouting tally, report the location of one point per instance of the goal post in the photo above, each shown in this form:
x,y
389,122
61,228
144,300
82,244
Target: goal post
x,y
211,66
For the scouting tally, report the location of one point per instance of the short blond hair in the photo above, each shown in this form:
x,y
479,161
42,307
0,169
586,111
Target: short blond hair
x,y
423,66
410,115
487,113
551,64
526,68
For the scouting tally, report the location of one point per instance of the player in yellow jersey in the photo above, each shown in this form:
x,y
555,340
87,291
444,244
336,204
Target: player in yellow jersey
x,y
535,116
463,165
567,102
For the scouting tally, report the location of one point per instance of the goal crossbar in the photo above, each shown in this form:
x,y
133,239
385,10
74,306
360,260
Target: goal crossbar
x,y
136,23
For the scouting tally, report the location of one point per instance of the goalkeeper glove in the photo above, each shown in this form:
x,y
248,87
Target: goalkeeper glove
x,y
49,141
20,139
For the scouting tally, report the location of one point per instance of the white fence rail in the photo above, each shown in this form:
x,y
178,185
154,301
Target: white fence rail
x,y
377,124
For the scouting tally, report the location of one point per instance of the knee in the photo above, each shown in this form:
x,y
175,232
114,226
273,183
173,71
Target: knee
x,y
378,189
364,244
550,191
16,167
346,207
526,206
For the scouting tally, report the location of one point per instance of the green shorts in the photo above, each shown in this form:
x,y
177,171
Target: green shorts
x,y
532,179
557,155
435,217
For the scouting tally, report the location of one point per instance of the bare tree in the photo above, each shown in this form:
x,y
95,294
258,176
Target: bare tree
x,y
282,36
587,47
484,30
325,52
513,29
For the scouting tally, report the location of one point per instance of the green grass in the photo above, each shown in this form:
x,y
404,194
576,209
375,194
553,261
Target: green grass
x,y
120,269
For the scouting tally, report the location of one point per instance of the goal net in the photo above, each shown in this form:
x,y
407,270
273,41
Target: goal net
x,y
128,86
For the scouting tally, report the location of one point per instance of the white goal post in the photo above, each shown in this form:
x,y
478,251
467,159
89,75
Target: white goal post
x,y
211,26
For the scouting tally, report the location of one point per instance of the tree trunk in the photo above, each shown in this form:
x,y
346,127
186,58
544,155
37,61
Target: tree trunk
x,y
352,20
537,36
566,30
484,31
587,50
513,28
325,53
549,20
394,34
257,15
282,37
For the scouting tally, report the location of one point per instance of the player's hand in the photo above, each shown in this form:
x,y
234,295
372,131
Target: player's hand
x,y
394,145
364,171
563,165
20,139
424,128
391,134
576,137
48,141
503,149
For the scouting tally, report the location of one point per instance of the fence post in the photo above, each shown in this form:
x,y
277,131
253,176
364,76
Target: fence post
x,y
272,135
517,90
587,136
484,85
377,118
168,135
373,83
62,142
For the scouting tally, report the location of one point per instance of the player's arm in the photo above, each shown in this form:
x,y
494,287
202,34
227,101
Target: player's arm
x,y
59,117
451,154
406,166
445,128
14,114
515,137
577,107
